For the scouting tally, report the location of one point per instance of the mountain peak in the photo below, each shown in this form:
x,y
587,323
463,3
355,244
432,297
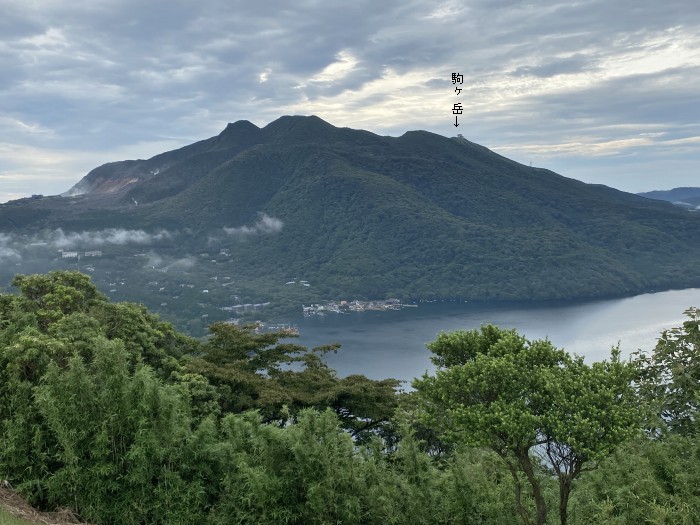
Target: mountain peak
x,y
298,128
358,214
242,133
239,126
300,120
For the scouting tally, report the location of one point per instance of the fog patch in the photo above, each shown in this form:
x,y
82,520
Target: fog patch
x,y
109,236
164,264
7,251
266,225
183,264
153,260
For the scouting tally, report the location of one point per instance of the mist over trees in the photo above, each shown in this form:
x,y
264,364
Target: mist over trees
x,y
113,413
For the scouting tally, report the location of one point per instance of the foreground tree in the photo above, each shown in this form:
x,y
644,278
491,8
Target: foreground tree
x,y
532,404
670,377
253,370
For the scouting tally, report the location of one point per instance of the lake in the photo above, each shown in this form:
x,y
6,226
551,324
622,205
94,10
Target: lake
x,y
392,343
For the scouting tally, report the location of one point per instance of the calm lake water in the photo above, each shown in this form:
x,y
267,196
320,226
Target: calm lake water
x,y
392,344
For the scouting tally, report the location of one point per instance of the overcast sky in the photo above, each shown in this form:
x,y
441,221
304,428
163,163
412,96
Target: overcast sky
x,y
602,91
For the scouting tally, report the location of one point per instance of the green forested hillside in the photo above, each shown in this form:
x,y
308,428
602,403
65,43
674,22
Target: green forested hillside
x,y
358,216
111,413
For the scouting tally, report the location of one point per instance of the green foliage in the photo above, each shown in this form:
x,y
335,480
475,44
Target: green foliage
x,y
69,308
654,482
304,474
311,473
519,398
57,294
120,439
98,413
255,371
109,411
670,378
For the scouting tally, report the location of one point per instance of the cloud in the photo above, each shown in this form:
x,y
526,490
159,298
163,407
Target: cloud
x,y
7,252
184,263
345,63
265,225
109,236
153,260
15,248
560,66
21,127
87,83
157,261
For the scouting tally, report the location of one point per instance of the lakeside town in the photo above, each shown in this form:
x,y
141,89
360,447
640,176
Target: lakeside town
x,y
341,307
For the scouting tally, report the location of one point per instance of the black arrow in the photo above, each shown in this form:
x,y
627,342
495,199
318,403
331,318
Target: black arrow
x,y
456,123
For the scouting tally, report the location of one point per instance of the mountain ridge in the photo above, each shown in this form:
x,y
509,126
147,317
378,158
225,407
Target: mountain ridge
x,y
362,215
688,197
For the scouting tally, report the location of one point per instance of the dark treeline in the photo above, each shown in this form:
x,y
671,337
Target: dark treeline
x,y
110,412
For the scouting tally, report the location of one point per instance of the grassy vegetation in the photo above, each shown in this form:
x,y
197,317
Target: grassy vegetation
x,y
8,519
14,510
112,413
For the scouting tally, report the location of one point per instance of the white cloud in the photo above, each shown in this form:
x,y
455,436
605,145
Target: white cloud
x,y
263,77
9,254
109,236
153,260
85,81
19,126
265,225
184,263
446,10
344,64
53,39
393,100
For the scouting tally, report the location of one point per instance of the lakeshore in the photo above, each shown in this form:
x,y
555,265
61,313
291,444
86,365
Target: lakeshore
x,y
384,344
341,307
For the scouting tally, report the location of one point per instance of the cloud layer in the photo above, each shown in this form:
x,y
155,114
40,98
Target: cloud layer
x,y
109,236
11,246
603,91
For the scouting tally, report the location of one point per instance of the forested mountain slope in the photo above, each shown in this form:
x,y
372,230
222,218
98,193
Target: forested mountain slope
x,y
361,215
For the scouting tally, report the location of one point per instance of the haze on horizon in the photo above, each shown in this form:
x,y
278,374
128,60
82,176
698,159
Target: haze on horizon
x,y
602,92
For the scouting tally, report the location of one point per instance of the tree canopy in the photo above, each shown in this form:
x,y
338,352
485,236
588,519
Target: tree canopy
x,y
109,411
526,398
670,376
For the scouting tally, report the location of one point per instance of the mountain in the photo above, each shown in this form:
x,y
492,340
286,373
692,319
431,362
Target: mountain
x,y
300,210
686,197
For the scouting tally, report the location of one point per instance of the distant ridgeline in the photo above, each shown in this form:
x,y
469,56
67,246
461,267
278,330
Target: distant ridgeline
x,y
685,197
267,219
